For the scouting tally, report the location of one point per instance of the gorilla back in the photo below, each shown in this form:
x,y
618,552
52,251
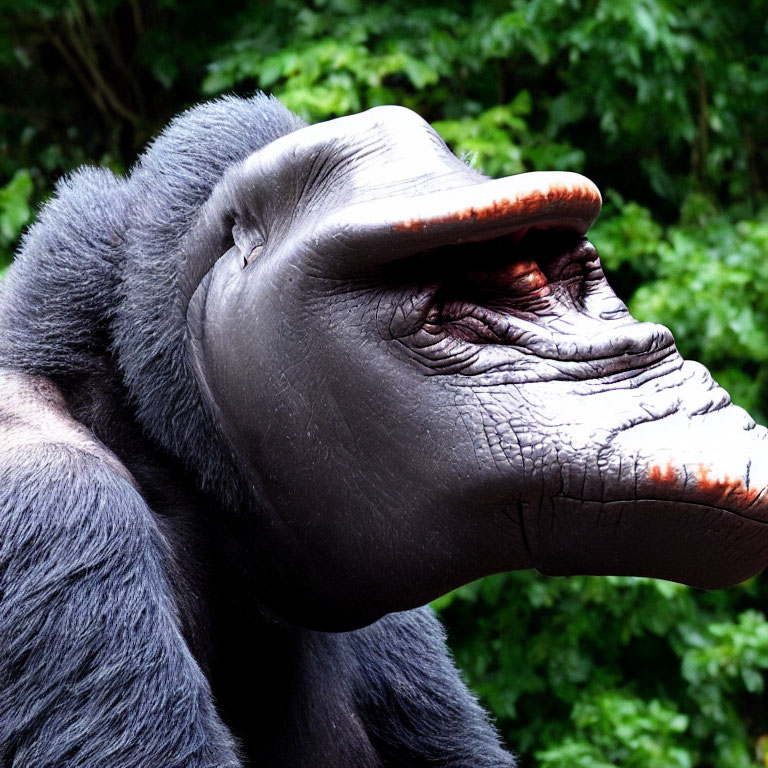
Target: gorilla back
x,y
282,385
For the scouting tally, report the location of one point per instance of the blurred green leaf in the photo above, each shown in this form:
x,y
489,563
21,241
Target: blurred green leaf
x,y
15,211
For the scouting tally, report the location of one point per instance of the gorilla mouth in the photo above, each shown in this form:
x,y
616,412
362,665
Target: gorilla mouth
x,y
476,286
501,245
550,199
653,537
523,275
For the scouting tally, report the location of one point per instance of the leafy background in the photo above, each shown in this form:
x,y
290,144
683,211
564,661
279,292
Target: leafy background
x,y
661,102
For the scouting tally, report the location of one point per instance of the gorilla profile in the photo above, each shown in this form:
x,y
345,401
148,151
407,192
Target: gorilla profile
x,y
280,386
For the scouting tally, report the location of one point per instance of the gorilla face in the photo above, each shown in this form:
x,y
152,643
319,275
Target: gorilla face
x,y
425,375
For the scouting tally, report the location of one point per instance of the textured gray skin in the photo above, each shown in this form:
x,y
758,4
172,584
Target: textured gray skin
x,y
252,397
468,425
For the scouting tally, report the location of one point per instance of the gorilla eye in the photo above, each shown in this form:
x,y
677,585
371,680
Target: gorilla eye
x,y
255,253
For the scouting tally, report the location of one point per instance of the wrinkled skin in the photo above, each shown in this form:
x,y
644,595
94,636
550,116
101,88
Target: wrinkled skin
x,y
282,379
429,379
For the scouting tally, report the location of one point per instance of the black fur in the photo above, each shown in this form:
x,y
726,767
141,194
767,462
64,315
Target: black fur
x,y
130,632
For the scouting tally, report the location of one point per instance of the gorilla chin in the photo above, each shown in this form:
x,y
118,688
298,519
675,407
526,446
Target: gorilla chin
x,y
281,385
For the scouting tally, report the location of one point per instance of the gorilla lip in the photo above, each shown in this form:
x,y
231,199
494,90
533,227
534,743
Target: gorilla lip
x,y
510,261
527,199
393,228
488,287
504,275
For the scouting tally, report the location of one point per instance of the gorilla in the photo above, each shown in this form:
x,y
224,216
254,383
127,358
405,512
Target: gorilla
x,y
281,386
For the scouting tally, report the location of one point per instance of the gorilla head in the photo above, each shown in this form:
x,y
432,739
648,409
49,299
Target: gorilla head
x,y
422,373
285,378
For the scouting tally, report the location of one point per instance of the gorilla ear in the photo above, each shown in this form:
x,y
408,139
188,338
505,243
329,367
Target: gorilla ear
x,y
248,242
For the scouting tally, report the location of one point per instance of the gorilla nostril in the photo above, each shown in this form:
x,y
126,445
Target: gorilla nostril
x,y
638,339
619,312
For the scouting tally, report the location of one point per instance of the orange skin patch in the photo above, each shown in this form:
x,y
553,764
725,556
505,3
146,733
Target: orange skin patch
x,y
580,201
521,278
708,489
665,476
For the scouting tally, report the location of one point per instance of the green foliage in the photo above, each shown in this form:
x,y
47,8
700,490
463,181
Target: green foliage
x,y
335,57
675,90
664,103
614,672
617,728
15,211
498,141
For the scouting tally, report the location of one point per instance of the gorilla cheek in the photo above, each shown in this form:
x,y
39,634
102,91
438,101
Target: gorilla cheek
x,y
357,492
